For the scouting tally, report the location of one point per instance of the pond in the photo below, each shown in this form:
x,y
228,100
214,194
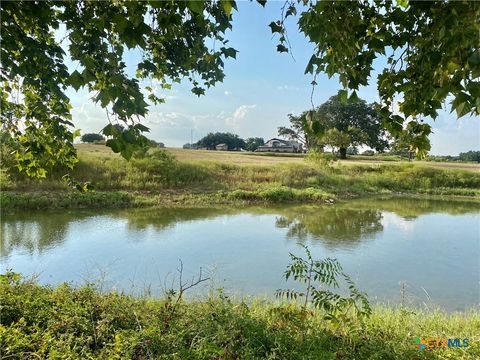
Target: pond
x,y
398,250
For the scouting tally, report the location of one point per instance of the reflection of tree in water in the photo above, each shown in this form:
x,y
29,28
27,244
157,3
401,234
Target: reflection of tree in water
x,y
338,225
334,226
411,208
162,218
34,232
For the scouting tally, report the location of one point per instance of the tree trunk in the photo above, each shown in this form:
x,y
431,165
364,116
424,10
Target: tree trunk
x,y
343,153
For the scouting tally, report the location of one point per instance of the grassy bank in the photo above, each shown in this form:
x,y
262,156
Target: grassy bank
x,y
64,322
161,178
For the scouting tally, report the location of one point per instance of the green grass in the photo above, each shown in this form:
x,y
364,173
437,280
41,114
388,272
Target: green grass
x,y
82,323
148,180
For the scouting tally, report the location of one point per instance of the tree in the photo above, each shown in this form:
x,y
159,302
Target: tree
x,y
302,130
251,144
338,141
175,39
211,140
357,122
432,50
402,145
470,156
91,137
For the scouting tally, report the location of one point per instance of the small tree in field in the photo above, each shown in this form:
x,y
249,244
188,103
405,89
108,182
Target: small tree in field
x,y
340,141
91,137
251,144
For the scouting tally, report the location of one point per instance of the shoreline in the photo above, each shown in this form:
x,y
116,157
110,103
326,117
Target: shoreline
x,y
12,201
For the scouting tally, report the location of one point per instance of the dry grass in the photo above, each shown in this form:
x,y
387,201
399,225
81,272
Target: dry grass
x,y
262,159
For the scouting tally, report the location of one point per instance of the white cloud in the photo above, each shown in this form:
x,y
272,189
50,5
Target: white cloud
x,y
238,115
226,92
287,87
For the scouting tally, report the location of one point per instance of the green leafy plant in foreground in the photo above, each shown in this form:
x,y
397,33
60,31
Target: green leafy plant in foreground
x,y
321,277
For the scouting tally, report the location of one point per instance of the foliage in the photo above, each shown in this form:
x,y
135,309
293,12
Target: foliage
x,y
337,140
402,144
91,137
172,37
211,140
470,156
320,277
432,51
213,181
355,118
303,129
252,143
83,323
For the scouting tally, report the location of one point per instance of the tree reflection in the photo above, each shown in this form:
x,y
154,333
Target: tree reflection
x,y
343,224
35,232
334,226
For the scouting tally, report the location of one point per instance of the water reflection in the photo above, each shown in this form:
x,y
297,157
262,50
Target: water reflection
x,y
35,232
333,226
343,225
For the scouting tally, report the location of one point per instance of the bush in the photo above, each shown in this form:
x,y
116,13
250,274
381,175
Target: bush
x,y
92,137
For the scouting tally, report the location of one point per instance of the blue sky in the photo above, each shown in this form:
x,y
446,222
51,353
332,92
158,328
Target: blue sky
x,y
261,87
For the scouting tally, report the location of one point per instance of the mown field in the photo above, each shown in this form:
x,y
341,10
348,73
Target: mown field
x,y
272,158
177,176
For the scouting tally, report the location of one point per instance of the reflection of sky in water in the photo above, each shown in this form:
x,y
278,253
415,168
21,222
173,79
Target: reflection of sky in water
x,y
246,251
402,224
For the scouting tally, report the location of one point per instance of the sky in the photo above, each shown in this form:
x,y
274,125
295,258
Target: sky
x,y
260,89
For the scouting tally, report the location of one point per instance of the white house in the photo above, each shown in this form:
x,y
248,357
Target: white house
x,y
280,145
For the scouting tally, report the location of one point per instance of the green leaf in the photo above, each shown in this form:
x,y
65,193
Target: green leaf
x,y
141,128
343,95
196,6
291,11
276,27
402,3
115,145
228,5
109,130
281,48
76,80
230,52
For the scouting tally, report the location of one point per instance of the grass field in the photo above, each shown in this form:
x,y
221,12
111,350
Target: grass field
x,y
177,176
272,158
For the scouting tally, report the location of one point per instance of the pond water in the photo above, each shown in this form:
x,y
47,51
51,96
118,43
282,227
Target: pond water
x,y
431,247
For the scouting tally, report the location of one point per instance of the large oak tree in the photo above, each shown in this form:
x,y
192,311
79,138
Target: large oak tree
x,y
431,48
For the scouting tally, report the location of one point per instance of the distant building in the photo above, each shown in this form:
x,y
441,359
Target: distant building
x,y
223,147
190,146
280,145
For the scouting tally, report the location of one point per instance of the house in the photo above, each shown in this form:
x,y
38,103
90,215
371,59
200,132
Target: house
x,y
223,147
280,145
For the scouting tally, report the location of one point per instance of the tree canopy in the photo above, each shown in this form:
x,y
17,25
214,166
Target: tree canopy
x,y
91,137
172,37
359,120
339,123
211,140
302,129
252,143
432,51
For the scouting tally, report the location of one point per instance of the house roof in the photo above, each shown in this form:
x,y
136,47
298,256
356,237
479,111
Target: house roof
x,y
286,142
